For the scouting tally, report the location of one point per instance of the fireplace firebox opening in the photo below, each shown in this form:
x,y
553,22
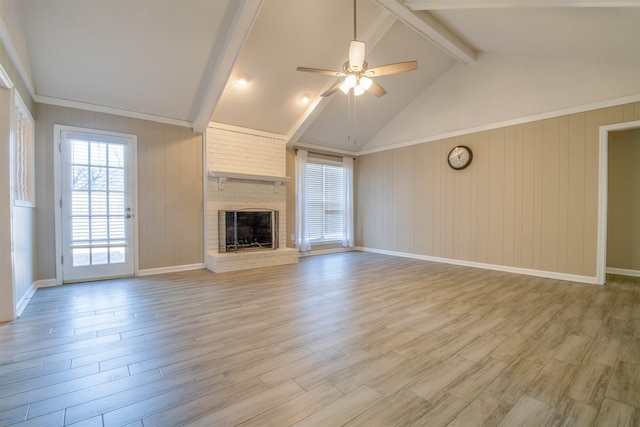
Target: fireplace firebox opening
x,y
246,230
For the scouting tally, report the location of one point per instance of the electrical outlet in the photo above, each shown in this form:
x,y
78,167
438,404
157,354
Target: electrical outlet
x,y
293,237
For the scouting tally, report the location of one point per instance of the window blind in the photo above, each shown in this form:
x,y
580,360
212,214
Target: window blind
x,y
325,201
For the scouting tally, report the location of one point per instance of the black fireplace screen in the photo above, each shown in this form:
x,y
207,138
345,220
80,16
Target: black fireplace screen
x,y
247,230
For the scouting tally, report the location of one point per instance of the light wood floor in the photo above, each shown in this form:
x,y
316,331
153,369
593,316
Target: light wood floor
x,y
347,339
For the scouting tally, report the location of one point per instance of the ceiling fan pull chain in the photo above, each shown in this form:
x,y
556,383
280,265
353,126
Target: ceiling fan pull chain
x,y
355,119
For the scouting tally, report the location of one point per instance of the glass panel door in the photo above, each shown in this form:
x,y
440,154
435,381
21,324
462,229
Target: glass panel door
x,y
96,206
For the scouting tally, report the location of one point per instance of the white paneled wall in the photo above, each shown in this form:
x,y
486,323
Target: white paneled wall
x,y
23,253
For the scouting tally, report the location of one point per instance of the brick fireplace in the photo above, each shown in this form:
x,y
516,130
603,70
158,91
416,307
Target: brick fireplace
x,y
245,172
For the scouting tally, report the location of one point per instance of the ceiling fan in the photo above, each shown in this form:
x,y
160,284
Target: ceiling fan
x,y
356,72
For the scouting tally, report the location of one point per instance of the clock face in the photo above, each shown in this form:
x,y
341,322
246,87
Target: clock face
x,y
460,157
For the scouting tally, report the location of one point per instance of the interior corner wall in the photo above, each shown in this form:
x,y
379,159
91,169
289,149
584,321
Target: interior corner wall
x,y
291,197
7,288
623,211
169,173
528,200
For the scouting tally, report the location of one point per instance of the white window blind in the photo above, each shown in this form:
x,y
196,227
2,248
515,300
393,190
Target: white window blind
x,y
325,201
24,155
97,202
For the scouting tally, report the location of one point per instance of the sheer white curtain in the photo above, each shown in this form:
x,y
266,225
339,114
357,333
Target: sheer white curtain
x,y
347,167
302,229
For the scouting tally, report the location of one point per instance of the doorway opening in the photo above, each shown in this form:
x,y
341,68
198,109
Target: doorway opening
x,y
603,194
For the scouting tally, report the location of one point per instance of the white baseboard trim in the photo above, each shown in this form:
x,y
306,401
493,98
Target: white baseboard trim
x,y
623,272
172,269
24,301
26,298
324,252
528,272
45,283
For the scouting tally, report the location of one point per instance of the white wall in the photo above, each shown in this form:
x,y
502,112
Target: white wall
x,y
7,291
24,244
498,88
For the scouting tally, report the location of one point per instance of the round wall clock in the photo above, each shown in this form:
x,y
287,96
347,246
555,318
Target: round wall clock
x,y
460,157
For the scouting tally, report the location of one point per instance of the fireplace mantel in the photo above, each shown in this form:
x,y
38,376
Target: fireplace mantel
x,y
223,176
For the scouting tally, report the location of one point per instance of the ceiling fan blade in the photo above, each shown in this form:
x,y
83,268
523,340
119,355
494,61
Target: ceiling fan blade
x,y
376,89
332,89
399,67
321,71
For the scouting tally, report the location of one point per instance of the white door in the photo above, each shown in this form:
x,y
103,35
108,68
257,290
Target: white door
x,y
96,189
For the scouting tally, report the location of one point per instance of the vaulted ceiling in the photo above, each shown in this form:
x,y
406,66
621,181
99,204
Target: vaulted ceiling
x,y
177,60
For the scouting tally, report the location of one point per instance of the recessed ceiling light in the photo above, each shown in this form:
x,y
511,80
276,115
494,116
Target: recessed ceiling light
x,y
242,79
305,98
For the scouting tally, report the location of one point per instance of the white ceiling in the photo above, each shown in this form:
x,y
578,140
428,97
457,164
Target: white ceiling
x,y
176,60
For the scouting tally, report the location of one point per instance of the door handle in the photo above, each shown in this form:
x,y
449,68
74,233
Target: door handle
x,y
128,213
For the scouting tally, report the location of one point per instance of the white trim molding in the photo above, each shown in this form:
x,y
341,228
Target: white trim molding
x,y
172,269
46,283
623,272
525,271
324,252
26,298
109,110
497,125
603,180
24,301
500,4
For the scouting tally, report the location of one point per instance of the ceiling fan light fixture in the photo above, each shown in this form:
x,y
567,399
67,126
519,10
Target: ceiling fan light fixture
x,y
356,55
358,90
365,82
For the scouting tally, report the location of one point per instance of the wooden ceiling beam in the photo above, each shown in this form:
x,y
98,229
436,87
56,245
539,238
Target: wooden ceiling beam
x,y
430,28
425,5
241,16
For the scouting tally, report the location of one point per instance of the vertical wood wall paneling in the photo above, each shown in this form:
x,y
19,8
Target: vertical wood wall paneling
x,y
406,205
550,194
495,251
537,195
518,211
563,192
472,172
24,247
7,288
528,200
576,193
450,201
509,196
528,175
169,186
483,172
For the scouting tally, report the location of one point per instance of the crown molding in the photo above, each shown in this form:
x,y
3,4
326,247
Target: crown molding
x,y
526,119
110,110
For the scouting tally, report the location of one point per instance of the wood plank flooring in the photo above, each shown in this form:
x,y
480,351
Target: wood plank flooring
x,y
349,339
